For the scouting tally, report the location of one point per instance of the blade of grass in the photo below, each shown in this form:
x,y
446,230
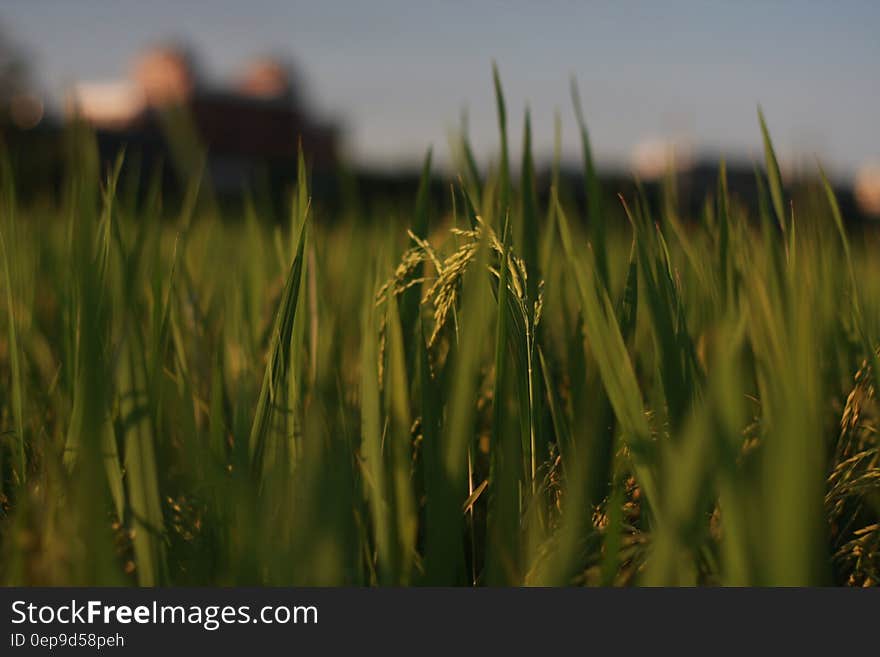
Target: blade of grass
x,y
592,190
275,379
503,559
399,450
773,176
527,234
17,387
504,172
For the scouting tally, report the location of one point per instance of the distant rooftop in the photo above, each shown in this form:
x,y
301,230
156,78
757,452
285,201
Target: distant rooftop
x,y
168,75
254,120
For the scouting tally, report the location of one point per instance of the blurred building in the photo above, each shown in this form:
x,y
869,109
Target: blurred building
x,y
250,127
867,189
652,158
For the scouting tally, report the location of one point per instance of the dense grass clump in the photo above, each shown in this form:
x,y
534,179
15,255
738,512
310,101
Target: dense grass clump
x,y
507,394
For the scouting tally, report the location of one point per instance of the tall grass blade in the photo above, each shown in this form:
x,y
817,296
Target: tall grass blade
x,y
773,176
592,190
275,380
504,173
503,548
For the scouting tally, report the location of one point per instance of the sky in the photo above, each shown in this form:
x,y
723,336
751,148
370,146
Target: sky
x,y
397,75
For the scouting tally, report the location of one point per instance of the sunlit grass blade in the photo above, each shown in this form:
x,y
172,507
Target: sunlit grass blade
x,y
459,425
679,368
504,166
608,347
375,477
412,297
503,540
275,380
773,176
527,234
724,256
592,189
399,451
627,311
145,501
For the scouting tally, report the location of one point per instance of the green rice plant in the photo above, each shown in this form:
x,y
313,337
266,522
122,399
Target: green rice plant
x,y
505,391
595,216
276,381
774,177
503,540
504,165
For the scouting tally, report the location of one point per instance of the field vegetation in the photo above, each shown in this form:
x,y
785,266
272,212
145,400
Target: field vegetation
x,y
511,393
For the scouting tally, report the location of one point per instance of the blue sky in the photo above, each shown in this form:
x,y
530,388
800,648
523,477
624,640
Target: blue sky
x,y
398,73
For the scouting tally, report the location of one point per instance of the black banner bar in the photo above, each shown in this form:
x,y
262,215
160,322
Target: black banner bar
x,y
461,621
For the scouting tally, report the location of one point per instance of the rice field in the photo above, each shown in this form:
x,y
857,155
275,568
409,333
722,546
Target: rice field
x,y
513,392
